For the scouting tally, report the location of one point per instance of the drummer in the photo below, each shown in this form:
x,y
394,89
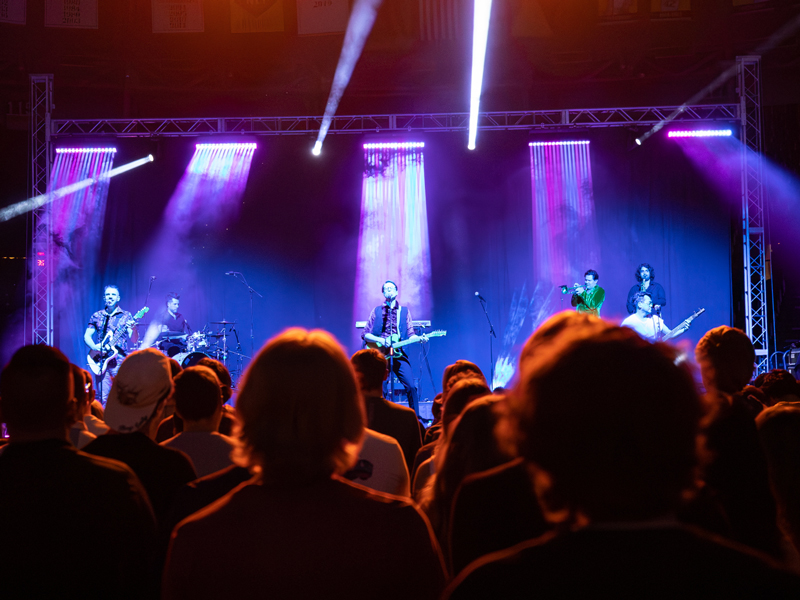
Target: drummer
x,y
170,327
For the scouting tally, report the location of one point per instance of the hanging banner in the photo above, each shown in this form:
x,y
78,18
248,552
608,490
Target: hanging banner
x,y
670,9
12,11
80,14
322,16
177,16
617,10
255,16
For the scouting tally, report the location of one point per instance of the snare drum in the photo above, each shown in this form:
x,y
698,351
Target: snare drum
x,y
189,359
196,341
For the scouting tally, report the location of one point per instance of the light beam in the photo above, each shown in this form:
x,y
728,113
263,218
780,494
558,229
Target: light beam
x,y
480,37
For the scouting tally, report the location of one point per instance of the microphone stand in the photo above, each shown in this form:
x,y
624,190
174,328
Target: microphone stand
x,y
252,291
491,335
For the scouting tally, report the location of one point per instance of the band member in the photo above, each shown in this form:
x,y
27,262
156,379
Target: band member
x,y
588,298
168,320
648,325
646,276
106,323
392,319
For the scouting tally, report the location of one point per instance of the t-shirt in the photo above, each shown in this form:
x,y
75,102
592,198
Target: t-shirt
x,y
381,465
209,451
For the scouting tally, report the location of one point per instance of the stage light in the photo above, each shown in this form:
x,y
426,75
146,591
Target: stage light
x,y
362,18
638,142
37,201
317,150
565,143
394,145
226,146
480,36
84,150
701,133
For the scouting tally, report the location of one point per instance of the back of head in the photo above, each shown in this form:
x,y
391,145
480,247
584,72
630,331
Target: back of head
x,y
197,393
472,445
461,394
726,357
553,327
36,390
610,424
300,408
371,368
458,367
779,384
222,373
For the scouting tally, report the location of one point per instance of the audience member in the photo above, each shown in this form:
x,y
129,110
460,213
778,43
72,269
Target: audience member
x,y
780,386
79,434
72,525
612,465
381,465
93,418
383,416
299,529
737,470
198,402
133,412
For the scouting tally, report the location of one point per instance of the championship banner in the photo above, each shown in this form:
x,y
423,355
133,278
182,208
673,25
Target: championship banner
x,y
670,9
322,16
12,11
177,16
79,14
256,16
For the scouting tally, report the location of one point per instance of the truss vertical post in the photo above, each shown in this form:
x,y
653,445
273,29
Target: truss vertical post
x,y
41,264
754,219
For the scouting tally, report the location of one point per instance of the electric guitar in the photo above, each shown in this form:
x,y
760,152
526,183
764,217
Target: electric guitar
x,y
396,344
98,359
684,325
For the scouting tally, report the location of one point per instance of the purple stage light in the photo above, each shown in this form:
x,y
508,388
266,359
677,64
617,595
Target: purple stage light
x,y
227,146
84,150
395,145
701,133
566,143
393,240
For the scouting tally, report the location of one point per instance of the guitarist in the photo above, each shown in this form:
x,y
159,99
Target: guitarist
x,y
392,319
648,325
103,322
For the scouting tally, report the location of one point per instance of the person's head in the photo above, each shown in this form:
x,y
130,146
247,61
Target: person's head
x,y
222,373
111,295
197,394
604,450
727,359
140,389
643,302
174,367
302,416
173,301
371,368
555,326
645,272
389,290
36,393
462,393
590,279
459,367
80,391
780,385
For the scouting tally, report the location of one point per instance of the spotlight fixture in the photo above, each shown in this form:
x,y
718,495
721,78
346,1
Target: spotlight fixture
x,y
565,143
701,133
242,146
394,145
317,150
83,150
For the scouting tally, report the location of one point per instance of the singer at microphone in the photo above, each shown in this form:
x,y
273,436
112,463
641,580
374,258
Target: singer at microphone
x,y
588,298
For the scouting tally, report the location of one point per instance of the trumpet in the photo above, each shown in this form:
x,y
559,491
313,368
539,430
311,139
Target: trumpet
x,y
574,288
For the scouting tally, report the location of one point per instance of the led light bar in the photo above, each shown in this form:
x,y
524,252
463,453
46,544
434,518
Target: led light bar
x,y
567,143
701,133
396,145
243,146
83,150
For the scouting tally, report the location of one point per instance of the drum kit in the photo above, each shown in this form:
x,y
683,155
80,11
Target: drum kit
x,y
190,348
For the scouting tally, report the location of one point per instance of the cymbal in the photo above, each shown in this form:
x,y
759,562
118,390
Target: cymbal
x,y
223,322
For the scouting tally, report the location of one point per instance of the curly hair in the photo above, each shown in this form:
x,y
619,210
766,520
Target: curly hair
x,y
649,268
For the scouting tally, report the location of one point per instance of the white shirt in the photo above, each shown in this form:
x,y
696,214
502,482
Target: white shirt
x,y
648,327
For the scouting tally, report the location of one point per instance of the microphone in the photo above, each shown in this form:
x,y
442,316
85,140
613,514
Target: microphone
x,y
479,297
152,277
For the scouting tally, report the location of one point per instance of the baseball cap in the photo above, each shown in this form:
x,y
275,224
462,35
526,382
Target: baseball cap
x,y
143,379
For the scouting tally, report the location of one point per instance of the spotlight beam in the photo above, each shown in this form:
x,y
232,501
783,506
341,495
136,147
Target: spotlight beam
x,y
480,37
30,204
775,39
362,18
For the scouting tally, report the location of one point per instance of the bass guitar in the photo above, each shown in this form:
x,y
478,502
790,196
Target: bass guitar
x,y
396,344
98,359
684,325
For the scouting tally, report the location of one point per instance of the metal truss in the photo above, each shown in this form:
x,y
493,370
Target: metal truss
x,y
40,262
405,123
754,218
